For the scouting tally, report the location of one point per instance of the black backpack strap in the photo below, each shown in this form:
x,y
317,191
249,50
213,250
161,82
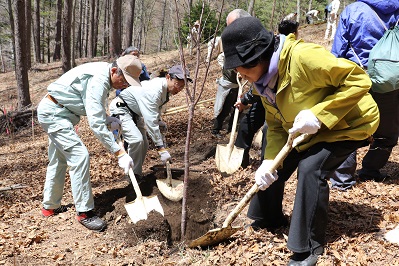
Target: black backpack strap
x,y
124,104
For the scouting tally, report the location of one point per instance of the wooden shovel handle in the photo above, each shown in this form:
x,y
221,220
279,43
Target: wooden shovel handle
x,y
168,174
131,173
235,119
289,145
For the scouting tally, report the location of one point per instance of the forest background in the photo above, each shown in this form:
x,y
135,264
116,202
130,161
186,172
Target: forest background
x,y
41,31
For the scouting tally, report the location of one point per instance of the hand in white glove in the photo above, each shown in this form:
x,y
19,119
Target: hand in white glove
x,y
113,122
162,126
305,122
125,162
263,177
164,154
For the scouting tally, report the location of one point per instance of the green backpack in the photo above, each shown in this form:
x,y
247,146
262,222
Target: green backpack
x,y
383,63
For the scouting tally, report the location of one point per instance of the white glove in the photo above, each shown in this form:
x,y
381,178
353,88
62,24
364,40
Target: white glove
x,y
162,126
263,177
125,162
164,154
113,122
305,122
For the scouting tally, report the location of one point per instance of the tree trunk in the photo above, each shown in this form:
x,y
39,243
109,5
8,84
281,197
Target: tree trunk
x,y
11,17
162,26
251,7
129,23
272,27
80,29
36,31
73,49
90,26
310,5
48,32
115,47
86,27
57,50
66,35
21,70
97,17
28,16
298,10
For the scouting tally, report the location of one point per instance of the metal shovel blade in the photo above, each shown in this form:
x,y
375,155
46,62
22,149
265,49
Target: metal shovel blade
x,y
228,160
214,236
172,191
141,206
228,157
170,188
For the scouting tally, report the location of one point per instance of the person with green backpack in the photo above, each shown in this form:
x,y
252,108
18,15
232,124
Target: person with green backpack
x,y
368,34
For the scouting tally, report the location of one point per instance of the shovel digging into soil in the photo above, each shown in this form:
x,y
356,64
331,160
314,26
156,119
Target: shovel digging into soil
x,y
229,157
170,188
141,206
217,235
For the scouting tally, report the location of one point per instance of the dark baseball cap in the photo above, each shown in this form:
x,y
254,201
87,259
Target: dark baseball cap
x,y
177,71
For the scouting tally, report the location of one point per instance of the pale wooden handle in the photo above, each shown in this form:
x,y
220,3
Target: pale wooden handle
x,y
135,184
278,160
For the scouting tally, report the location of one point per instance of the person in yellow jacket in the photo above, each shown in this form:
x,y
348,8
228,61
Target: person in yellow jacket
x,y
306,90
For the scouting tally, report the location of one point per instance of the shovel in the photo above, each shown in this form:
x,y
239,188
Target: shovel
x,y
229,157
217,235
141,206
170,188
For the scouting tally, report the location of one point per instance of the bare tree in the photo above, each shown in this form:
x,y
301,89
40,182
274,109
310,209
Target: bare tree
x,y
106,27
97,16
21,70
28,20
36,30
90,27
192,96
129,23
115,29
57,50
161,32
66,35
11,17
73,63
251,5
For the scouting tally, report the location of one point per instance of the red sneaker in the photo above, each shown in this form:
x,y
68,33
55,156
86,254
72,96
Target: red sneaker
x,y
51,212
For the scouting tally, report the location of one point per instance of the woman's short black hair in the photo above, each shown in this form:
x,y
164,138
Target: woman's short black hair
x,y
288,26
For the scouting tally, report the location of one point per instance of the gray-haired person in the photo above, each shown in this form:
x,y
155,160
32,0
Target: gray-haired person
x,y
82,91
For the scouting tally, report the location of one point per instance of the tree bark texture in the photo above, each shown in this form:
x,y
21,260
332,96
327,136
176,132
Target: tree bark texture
x,y
36,31
57,50
21,70
66,35
115,43
129,23
28,16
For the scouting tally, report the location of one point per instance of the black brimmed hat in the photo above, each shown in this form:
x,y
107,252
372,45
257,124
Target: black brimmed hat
x,y
245,40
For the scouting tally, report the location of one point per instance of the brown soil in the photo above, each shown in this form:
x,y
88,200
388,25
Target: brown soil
x,y
358,218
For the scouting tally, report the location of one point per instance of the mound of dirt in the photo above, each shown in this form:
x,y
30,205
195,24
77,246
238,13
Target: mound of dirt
x,y
200,211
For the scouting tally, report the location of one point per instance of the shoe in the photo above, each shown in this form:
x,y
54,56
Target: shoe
x,y
270,226
216,134
51,212
91,221
303,259
379,178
